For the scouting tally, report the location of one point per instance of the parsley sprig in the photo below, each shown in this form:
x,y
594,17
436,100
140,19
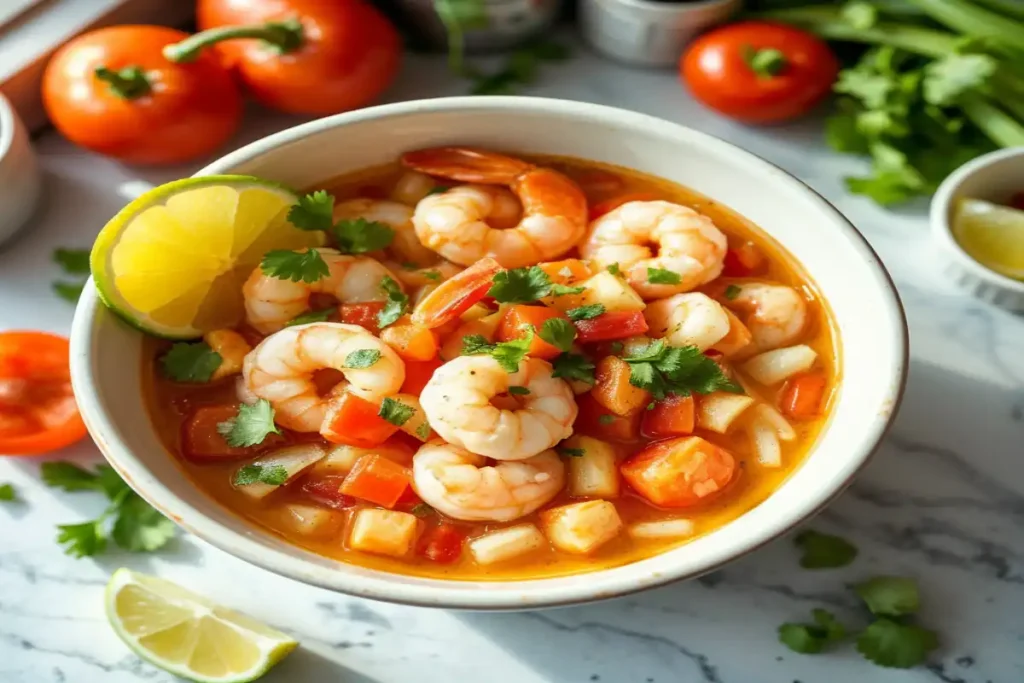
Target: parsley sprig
x,y
663,369
129,520
315,211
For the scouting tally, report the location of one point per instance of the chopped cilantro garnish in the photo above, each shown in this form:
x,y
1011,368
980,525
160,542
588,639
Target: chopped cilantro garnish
x,y
358,235
573,366
312,317
606,419
518,391
564,290
72,261
190,362
661,276
663,370
313,212
614,269
274,475
7,493
395,412
251,426
397,302
732,291
812,638
558,332
890,596
891,643
571,452
297,266
585,312
520,285
433,275
362,358
509,354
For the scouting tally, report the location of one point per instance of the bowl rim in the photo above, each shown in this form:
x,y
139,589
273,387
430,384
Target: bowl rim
x,y
380,585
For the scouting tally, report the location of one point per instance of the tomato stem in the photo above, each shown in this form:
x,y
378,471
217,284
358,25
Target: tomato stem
x,y
280,36
130,82
765,62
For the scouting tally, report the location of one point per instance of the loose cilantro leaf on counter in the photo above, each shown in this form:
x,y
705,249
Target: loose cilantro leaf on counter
x,y
251,426
893,644
82,540
190,362
812,638
358,235
296,266
520,69
69,291
824,551
7,493
312,317
361,359
273,475
140,528
585,312
663,370
573,366
396,305
661,276
314,211
72,261
520,285
890,596
395,412
558,332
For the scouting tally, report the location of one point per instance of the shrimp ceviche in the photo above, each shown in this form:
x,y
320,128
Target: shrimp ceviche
x,y
472,365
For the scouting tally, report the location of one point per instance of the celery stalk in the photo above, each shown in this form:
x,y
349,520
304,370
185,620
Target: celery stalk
x,y
996,124
1011,8
977,22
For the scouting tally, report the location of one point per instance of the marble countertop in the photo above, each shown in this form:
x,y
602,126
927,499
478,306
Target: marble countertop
x,y
943,501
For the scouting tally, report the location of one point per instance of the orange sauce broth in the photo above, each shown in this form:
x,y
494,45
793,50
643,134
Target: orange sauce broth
x,y
169,404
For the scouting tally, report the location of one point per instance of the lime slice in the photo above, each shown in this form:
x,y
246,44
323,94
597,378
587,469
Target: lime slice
x,y
172,262
188,635
992,234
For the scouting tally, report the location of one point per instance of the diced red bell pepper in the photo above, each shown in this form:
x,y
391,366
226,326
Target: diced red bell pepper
x,y
456,295
201,442
613,390
378,480
672,416
418,373
364,314
597,421
354,421
519,316
801,397
607,326
441,543
326,490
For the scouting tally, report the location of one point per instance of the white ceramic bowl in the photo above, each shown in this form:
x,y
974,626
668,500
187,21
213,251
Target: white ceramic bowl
x,y
106,362
995,177
20,178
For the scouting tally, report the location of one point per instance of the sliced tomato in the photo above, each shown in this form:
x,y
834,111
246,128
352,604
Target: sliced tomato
x,y
441,543
38,413
364,314
679,473
609,205
595,420
608,326
672,416
376,479
418,373
456,295
354,421
201,441
520,316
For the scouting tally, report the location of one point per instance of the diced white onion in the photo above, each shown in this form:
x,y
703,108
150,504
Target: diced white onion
x,y
765,443
312,521
506,544
719,410
666,528
772,367
781,425
294,459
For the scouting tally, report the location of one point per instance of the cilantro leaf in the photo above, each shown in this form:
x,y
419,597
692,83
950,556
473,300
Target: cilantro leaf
x,y
7,493
564,290
661,276
272,475
395,412
947,79
110,483
614,269
251,426
72,261
824,551
605,419
313,212
361,359
890,596
433,275
421,510
359,236
585,312
571,452
190,362
573,366
397,302
69,291
859,14
295,266
312,317
520,285
892,644
663,370
438,189
475,344
68,477
812,638
558,332
518,391
139,527
82,540
732,291
510,354
423,431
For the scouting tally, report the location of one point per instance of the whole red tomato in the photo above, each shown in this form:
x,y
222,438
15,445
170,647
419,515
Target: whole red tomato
x,y
112,91
301,56
759,72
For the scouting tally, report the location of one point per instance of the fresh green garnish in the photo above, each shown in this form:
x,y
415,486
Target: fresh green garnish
x,y
423,431
69,291
823,551
812,638
437,189
614,269
890,596
421,510
518,391
520,285
362,359
858,14
897,645
251,426
571,452
72,262
732,291
558,332
274,475
605,419
520,69
128,519
7,493
315,211
662,369
573,366
564,290
475,344
296,266
766,62
585,312
312,317
661,276
190,362
396,305
509,354
617,347
395,412
433,275
359,236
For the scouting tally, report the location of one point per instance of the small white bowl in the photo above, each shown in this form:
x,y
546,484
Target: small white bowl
x,y
994,177
106,360
20,179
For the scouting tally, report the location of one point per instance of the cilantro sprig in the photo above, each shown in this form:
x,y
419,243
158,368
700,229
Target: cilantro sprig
x,y
297,266
509,354
824,551
395,412
663,276
526,285
128,519
558,332
396,305
272,475
812,638
361,359
663,369
315,211
573,366
193,363
251,426
71,262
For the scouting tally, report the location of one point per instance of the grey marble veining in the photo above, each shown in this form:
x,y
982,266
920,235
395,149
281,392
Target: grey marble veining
x,y
943,500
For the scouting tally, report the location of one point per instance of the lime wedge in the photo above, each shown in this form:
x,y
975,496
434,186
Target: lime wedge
x,y
992,234
172,262
188,635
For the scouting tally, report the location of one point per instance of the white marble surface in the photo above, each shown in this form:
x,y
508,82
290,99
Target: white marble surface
x,y
943,501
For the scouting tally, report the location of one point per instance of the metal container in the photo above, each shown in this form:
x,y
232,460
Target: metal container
x,y
509,23
649,33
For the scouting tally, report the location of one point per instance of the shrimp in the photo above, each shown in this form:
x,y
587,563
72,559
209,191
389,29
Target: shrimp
x,y
281,369
412,187
461,485
396,216
422,277
690,319
270,302
453,223
688,243
775,314
458,404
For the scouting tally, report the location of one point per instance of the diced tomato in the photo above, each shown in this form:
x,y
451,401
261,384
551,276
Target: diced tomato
x,y
364,315
608,326
201,442
679,473
612,388
519,316
326,490
601,208
567,271
441,543
672,416
418,373
454,296
1017,201
410,341
597,421
801,397
378,480
744,260
354,421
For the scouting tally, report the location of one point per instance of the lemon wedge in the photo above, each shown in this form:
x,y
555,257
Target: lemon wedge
x,y
188,635
172,262
993,235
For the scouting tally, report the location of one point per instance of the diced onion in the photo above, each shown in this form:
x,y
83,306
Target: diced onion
x,y
777,365
666,528
765,442
719,410
294,459
781,425
309,520
505,544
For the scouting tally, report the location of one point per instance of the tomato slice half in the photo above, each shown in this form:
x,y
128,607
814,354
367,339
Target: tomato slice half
x,y
38,413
